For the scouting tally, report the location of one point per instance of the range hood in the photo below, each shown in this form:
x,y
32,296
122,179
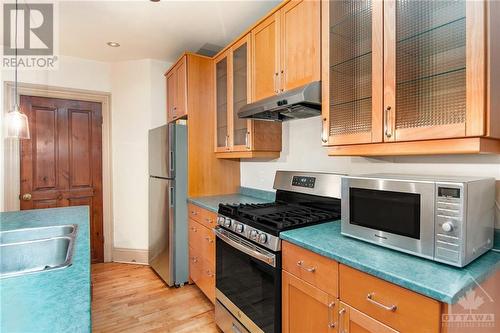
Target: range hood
x,y
301,102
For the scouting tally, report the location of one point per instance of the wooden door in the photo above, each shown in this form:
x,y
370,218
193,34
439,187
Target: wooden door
x,y
265,58
300,43
351,320
222,103
181,91
307,309
434,79
240,68
61,165
171,94
352,71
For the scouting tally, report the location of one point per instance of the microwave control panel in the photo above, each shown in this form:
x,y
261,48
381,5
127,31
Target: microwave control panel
x,y
449,220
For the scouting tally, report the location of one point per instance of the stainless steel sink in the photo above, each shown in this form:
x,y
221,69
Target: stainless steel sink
x,y
26,234
24,251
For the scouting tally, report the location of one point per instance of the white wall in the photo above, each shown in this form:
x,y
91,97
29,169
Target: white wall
x,y
138,104
302,151
73,73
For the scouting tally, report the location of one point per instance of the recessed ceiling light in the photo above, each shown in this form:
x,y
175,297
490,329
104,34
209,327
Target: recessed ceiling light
x,y
113,44
154,0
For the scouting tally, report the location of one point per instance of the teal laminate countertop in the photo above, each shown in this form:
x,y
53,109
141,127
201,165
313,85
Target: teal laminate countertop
x,y
438,281
212,202
51,301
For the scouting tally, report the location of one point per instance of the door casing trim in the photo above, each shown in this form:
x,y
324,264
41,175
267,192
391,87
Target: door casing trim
x,y
12,153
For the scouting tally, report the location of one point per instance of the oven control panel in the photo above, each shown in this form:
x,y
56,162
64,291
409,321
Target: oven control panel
x,y
303,181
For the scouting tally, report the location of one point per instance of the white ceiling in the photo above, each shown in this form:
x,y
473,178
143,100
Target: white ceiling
x,y
161,30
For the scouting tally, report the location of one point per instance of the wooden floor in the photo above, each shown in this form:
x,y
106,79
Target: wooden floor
x,y
131,298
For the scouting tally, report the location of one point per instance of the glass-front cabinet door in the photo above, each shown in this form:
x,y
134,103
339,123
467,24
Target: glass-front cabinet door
x,y
352,86
429,72
221,104
240,56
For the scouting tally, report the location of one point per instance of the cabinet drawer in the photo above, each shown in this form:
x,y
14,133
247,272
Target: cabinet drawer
x,y
202,239
397,307
205,217
319,271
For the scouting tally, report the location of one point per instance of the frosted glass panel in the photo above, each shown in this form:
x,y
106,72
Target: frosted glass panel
x,y
221,82
239,94
430,63
350,66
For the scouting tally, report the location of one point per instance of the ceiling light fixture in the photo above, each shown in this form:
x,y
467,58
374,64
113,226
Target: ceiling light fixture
x,y
154,0
113,44
16,121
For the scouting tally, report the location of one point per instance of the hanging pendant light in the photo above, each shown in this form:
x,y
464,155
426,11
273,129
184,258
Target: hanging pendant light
x,y
17,122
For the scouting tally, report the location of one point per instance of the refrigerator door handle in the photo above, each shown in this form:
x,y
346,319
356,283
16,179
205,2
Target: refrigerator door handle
x,y
171,161
172,193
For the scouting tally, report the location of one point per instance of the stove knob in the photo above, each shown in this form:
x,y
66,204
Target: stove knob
x,y
239,227
220,220
262,238
253,234
447,226
227,223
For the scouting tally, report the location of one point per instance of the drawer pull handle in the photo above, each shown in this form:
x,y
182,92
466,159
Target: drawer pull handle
x,y
209,239
209,274
370,299
208,220
193,212
311,269
331,323
341,315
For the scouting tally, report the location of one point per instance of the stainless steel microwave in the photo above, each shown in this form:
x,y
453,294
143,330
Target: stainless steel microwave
x,y
446,219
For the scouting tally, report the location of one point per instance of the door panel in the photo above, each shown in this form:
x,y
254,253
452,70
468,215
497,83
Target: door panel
x,y
300,44
240,67
45,154
80,134
222,103
61,165
265,59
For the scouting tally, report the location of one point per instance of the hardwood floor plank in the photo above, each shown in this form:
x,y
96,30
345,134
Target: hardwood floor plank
x,y
132,299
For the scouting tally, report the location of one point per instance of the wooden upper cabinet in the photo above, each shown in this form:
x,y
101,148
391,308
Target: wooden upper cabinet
x,y
265,58
177,90
236,137
403,72
352,71
300,44
286,49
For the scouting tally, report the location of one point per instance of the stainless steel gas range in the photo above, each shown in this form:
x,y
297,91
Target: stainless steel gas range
x,y
248,248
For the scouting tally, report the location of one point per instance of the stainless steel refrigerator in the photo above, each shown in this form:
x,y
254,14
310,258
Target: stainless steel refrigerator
x,y
168,249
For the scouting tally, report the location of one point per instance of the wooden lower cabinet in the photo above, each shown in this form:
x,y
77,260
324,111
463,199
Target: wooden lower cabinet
x,y
321,295
202,254
307,309
351,320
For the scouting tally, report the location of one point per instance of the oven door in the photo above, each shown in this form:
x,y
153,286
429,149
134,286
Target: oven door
x,y
392,213
248,282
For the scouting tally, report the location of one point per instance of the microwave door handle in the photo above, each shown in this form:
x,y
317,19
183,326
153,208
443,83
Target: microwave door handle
x,y
268,259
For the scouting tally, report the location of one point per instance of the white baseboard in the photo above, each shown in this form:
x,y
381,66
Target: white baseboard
x,y
130,256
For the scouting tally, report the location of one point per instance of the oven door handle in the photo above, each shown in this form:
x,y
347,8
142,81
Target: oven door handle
x,y
269,259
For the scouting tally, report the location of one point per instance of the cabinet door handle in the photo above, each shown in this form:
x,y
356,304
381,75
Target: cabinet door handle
x,y
208,220
341,315
282,80
227,139
209,239
388,130
370,299
193,212
331,323
276,90
323,130
247,134
311,269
